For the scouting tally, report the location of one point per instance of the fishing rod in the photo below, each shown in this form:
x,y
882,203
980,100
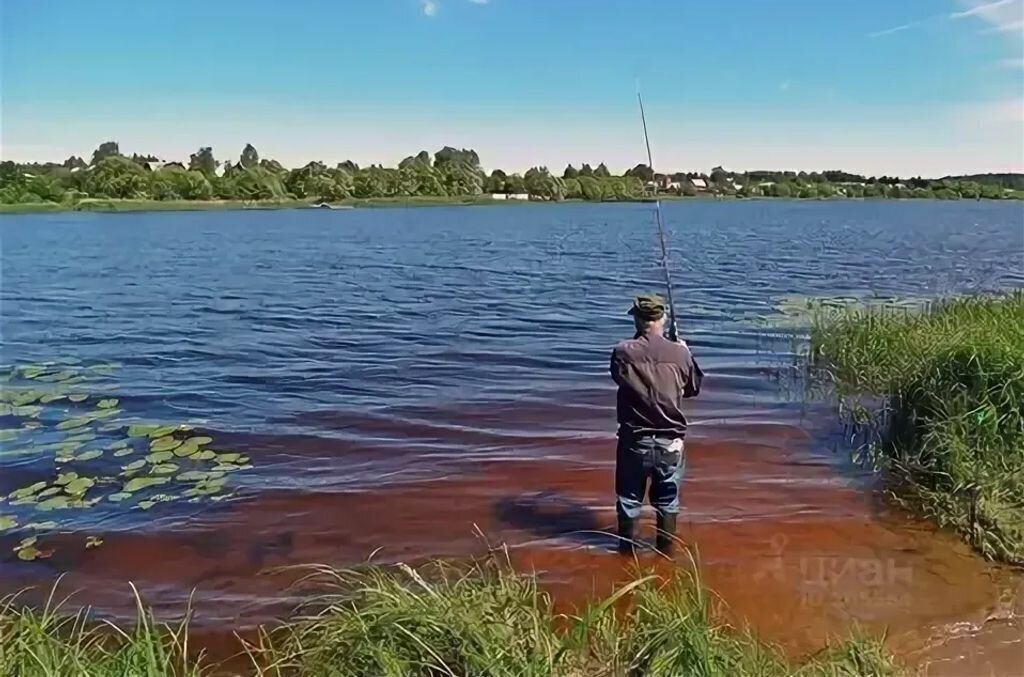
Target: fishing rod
x,y
673,329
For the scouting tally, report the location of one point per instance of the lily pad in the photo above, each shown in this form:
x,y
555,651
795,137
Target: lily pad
x,y
158,457
32,371
140,430
204,455
100,414
27,491
31,553
27,411
186,450
120,444
8,435
124,452
89,455
135,465
55,503
79,486
93,542
7,522
78,397
66,478
110,427
80,436
26,542
193,476
146,505
77,422
200,440
119,496
228,458
52,397
51,491
161,431
140,483
164,444
164,469
108,403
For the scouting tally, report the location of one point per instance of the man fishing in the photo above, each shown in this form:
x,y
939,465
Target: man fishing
x,y
654,375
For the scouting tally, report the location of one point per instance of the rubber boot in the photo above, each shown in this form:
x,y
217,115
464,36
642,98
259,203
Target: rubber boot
x,y
627,533
665,540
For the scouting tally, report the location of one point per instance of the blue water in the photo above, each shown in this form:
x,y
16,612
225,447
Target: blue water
x,y
281,322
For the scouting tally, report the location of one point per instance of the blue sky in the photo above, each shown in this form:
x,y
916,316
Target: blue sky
x,y
877,86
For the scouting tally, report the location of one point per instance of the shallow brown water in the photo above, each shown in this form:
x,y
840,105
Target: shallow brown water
x,y
380,433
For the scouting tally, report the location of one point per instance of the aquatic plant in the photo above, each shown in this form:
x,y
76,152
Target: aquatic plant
x,y
950,428
53,642
484,618
478,618
54,408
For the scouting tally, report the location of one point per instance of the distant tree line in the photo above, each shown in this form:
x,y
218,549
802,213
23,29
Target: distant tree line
x,y
449,172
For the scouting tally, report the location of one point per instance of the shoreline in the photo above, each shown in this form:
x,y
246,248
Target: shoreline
x,y
113,206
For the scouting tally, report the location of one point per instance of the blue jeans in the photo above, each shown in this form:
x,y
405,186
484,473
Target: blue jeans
x,y
648,461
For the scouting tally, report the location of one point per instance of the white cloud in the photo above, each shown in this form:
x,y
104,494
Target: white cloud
x,y
895,29
479,2
784,86
1002,15
429,7
1011,63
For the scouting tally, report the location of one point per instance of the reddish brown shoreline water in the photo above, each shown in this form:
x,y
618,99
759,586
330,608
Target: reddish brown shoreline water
x,y
402,378
836,556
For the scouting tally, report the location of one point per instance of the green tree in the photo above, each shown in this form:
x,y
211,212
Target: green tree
x,y
118,177
591,188
496,182
105,150
349,166
75,162
273,166
573,189
514,185
570,172
178,184
602,171
257,183
202,160
586,170
642,172
249,157
782,190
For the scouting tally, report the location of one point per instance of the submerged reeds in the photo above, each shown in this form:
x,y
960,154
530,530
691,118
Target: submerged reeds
x,y
950,428
478,619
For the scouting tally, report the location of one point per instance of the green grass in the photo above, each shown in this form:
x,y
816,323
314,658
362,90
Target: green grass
x,y
479,619
50,642
950,430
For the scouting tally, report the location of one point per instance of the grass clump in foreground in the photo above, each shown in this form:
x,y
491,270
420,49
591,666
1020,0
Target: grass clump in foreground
x,y
487,620
951,429
477,620
52,643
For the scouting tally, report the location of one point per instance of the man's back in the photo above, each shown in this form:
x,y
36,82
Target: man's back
x,y
654,375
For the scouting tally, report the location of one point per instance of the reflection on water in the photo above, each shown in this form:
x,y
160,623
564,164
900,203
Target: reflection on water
x,y
399,376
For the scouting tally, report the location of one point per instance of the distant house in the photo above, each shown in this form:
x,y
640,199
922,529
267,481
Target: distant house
x,y
499,196
665,182
699,184
160,164
519,196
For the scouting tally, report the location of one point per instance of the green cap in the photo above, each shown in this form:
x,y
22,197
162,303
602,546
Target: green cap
x,y
648,307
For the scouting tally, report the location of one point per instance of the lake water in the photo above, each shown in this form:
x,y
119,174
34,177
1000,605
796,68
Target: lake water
x,y
399,376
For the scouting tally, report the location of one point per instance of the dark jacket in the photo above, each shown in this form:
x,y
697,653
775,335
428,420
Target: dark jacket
x,y
653,375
